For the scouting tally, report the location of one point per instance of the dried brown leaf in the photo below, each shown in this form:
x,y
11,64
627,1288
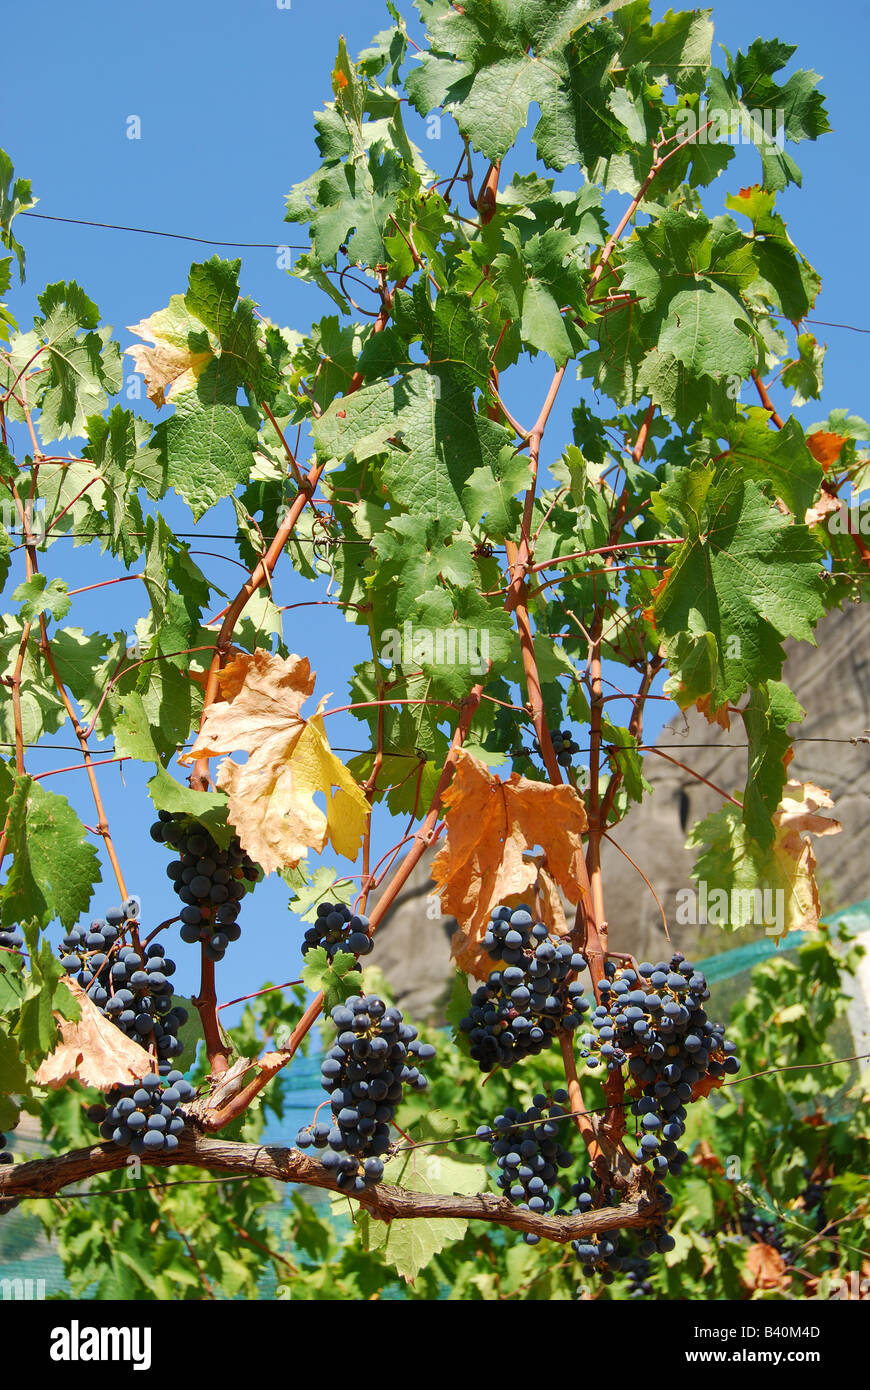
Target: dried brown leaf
x,y
491,825
825,447
93,1050
271,796
792,852
826,504
765,1268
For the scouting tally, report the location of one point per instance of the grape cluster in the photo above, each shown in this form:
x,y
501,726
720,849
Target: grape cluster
x,y
338,929
603,1255
756,1225
654,1019
211,882
374,1056
597,1253
637,1273
11,938
520,1008
528,1152
563,746
127,986
145,1118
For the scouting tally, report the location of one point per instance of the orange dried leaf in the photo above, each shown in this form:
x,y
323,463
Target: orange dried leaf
x,y
490,826
718,716
765,1267
271,796
825,447
93,1050
705,1157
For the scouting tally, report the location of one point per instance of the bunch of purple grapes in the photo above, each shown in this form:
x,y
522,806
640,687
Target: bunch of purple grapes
x,y
211,882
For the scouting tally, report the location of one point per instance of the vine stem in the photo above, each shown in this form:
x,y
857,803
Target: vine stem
x,y
659,162
582,1120
205,1003
601,550
45,1177
764,397
612,1127
519,559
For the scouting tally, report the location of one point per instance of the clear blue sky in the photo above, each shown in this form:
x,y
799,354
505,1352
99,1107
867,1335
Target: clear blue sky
x,y
225,94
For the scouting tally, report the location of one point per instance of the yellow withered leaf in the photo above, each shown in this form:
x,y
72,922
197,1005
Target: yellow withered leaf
x,y
491,825
271,796
792,852
181,350
94,1050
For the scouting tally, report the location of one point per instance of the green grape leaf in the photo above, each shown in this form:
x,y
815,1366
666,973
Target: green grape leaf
x,y
85,663
416,554
490,495
54,868
750,575
766,716
337,979
487,65
688,273
132,729
367,166
676,51
206,347
324,885
15,197
410,1245
118,450
779,456
794,111
41,709
38,595
456,635
208,808
787,278
431,435
626,757
805,373
82,366
13,1072
44,994
680,394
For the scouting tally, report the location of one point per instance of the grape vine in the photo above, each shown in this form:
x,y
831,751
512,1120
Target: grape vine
x,y
398,457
